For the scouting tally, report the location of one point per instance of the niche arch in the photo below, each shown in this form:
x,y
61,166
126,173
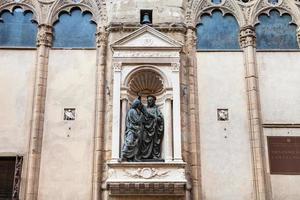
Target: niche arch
x,y
146,80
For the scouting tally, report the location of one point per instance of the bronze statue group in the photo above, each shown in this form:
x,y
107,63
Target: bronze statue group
x,y
144,132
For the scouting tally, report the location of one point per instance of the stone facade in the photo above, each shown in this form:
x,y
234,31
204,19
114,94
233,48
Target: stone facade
x,y
219,105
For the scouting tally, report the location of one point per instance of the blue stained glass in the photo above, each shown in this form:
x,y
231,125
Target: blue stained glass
x,y
75,30
276,32
216,1
17,29
218,32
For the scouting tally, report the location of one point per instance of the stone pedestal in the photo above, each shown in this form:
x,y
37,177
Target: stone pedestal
x,y
146,178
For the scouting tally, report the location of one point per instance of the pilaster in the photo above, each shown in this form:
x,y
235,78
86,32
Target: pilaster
x,y
99,113
44,41
248,43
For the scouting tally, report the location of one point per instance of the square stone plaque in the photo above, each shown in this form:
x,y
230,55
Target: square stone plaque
x,y
284,155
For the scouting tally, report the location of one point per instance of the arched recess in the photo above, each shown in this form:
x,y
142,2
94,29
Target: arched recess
x,y
17,28
276,30
217,31
74,29
144,81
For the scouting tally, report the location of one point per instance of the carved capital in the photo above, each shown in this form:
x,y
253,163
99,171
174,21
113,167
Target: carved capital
x,y
191,38
247,37
101,37
45,35
117,66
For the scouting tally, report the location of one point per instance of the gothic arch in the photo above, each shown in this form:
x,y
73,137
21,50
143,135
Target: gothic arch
x,y
199,7
283,7
96,7
26,7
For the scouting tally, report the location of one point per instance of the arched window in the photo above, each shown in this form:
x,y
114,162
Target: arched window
x,y
17,29
218,32
276,32
75,30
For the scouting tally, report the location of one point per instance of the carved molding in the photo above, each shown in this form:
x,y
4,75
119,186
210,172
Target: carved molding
x,y
144,54
146,173
247,37
45,35
165,188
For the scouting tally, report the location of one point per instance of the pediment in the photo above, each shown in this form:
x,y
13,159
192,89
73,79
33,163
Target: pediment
x,y
146,37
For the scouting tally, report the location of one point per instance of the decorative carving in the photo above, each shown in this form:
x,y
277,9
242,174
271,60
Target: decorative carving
x,y
17,177
247,37
223,114
175,66
143,54
146,82
44,36
69,114
117,66
146,173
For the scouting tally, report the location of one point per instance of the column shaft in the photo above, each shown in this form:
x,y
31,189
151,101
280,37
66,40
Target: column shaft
x,y
247,42
99,114
168,131
44,41
194,143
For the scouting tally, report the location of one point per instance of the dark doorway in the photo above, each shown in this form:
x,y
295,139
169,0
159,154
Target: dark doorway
x,y
10,175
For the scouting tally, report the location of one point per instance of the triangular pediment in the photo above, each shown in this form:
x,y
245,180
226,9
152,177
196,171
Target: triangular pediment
x,y
146,37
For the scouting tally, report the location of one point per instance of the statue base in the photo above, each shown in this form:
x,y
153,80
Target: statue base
x,y
146,178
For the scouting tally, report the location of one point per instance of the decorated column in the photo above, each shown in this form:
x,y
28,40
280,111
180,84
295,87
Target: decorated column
x,y
44,42
116,112
99,115
176,113
168,138
248,43
194,149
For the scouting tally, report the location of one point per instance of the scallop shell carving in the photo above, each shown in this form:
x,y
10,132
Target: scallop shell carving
x,y
146,82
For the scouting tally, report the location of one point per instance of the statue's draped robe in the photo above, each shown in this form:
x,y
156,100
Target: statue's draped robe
x,y
133,132
153,130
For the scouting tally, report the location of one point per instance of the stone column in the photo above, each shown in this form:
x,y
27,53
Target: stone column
x,y
194,143
99,114
116,112
248,43
176,113
44,42
168,129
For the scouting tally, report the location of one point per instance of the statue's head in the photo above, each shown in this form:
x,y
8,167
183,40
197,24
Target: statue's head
x,y
136,103
151,100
